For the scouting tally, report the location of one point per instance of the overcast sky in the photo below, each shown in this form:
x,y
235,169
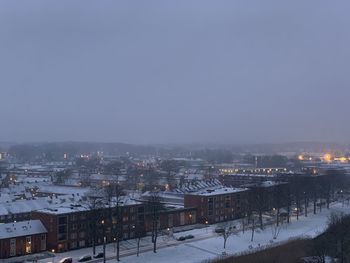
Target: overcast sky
x,y
175,71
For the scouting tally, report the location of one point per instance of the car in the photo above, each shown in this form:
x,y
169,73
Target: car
x,y
66,260
219,230
84,258
181,238
189,236
99,255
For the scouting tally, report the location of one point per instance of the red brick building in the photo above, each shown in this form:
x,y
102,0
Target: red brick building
x,y
22,238
170,217
217,205
75,227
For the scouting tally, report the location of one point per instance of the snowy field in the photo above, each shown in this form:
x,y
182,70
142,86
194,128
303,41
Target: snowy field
x,y
208,245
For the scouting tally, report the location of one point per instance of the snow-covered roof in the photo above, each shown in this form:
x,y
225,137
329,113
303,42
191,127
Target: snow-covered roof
x,y
26,206
265,184
60,210
219,191
173,198
66,190
74,207
24,228
3,210
5,197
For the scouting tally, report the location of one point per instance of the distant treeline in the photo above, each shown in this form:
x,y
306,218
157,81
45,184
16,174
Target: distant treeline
x,y
55,151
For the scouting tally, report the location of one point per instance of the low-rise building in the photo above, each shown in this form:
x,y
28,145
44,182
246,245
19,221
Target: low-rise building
x,y
77,226
218,204
22,238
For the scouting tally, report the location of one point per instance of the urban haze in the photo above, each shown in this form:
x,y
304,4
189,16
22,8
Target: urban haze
x,y
174,71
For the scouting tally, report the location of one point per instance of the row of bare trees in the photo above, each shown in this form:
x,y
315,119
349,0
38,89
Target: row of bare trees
x,y
106,209
295,194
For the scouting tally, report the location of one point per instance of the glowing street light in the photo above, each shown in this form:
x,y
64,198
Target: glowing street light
x,y
327,157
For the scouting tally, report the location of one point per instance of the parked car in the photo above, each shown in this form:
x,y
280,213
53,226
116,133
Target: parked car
x,y
189,236
181,238
219,230
66,260
99,255
84,258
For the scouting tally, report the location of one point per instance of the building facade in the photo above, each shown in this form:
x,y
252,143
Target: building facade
x,y
22,238
75,227
218,205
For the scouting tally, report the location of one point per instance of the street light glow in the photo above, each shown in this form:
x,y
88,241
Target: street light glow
x,y
327,157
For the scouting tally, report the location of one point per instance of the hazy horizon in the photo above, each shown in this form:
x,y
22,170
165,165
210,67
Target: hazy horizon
x,y
165,72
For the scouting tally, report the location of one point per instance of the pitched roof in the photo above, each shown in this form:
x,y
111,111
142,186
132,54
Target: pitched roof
x,y
19,229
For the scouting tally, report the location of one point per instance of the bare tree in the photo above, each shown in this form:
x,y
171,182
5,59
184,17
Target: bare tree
x,y
94,204
280,199
113,195
61,177
253,220
154,205
228,229
276,229
244,223
139,231
321,248
258,202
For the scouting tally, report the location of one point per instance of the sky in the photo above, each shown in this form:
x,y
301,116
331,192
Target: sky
x,y
175,71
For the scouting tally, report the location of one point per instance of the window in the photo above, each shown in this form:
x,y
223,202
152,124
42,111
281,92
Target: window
x,y
182,218
43,242
62,237
82,243
227,201
73,244
28,245
62,229
62,220
170,220
12,247
82,234
210,206
73,235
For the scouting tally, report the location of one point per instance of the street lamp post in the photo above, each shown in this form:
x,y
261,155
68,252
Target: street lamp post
x,y
104,249
104,241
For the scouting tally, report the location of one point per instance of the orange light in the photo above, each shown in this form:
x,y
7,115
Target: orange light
x,y
301,157
327,157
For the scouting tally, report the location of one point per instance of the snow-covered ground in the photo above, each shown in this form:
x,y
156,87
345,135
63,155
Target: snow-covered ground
x,y
208,245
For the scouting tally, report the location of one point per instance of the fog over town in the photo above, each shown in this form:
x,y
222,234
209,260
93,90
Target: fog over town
x,y
189,131
174,72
